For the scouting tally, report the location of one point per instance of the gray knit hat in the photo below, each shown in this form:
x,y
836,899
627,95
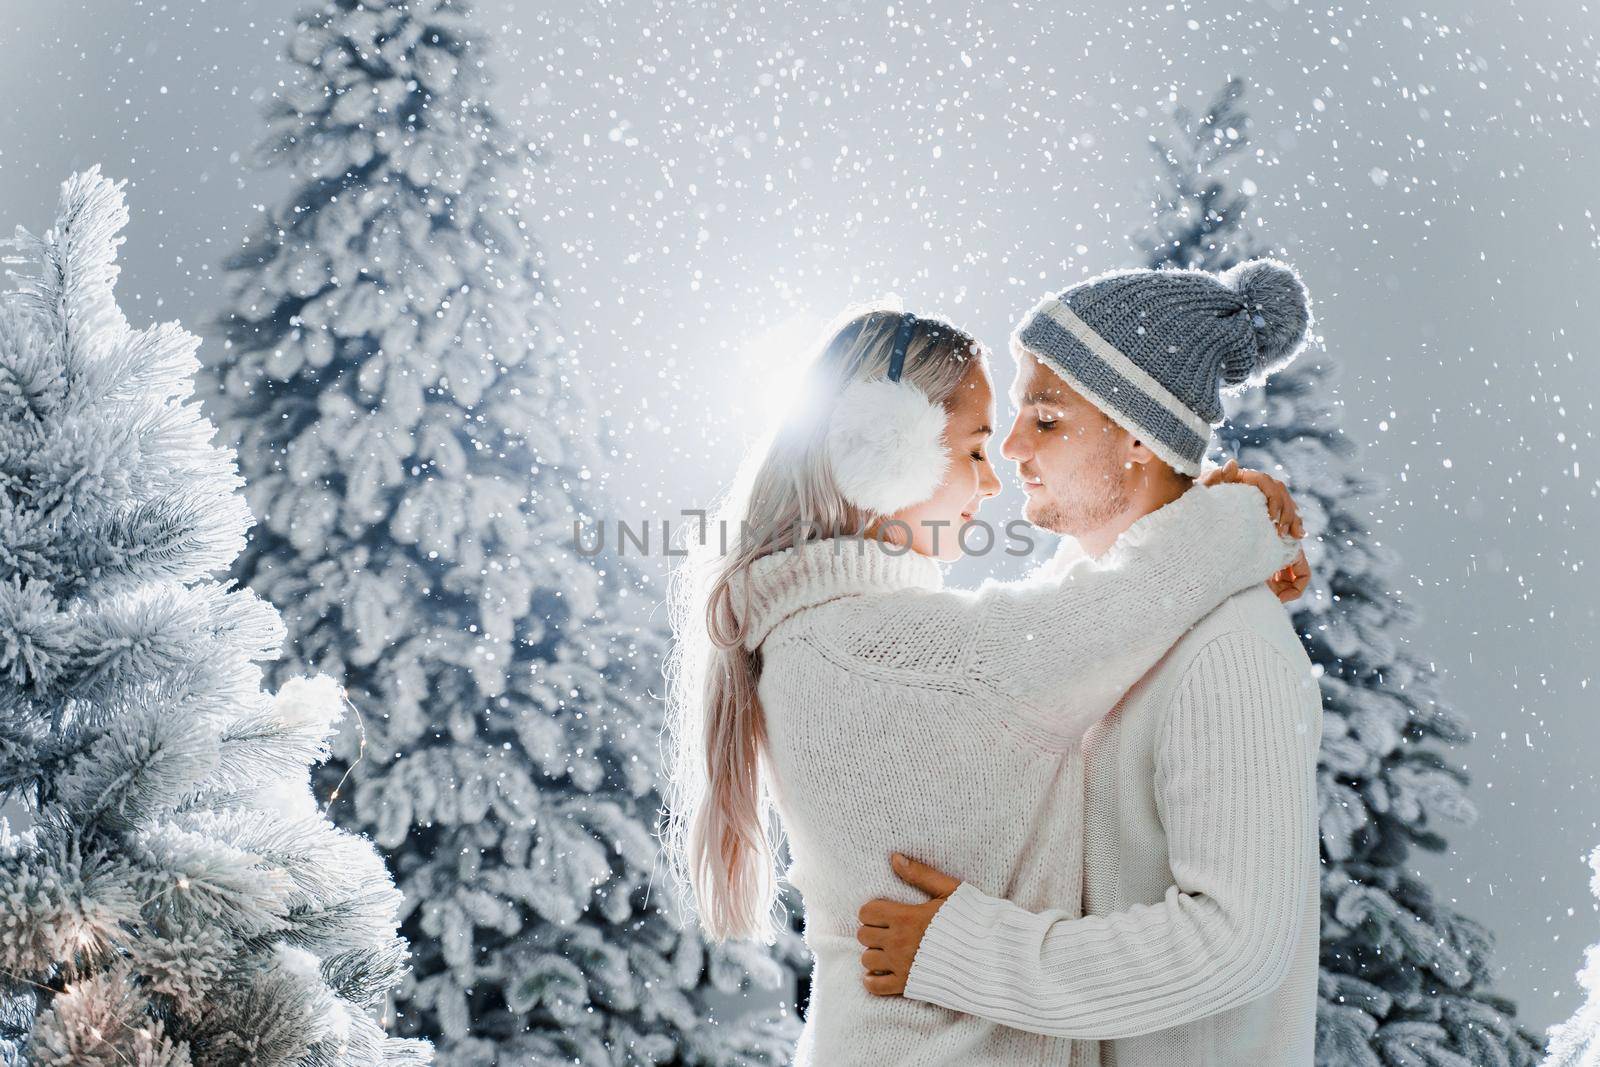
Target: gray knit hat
x,y
1154,349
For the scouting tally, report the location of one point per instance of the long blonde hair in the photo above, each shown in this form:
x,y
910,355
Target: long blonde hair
x,y
719,838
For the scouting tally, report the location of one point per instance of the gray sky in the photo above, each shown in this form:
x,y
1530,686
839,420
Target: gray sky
x,y
716,185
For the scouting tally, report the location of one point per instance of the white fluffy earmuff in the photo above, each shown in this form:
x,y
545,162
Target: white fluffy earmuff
x,y
885,439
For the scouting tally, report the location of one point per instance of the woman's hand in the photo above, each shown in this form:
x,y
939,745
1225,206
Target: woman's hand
x,y
1280,505
892,932
1290,583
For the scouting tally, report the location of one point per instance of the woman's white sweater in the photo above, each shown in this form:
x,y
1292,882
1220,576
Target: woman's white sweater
x,y
943,724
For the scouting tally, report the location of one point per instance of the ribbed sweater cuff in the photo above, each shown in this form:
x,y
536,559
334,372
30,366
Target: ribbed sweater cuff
x,y
967,955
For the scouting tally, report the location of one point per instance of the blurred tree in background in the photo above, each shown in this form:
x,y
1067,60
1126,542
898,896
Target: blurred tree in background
x,y
418,445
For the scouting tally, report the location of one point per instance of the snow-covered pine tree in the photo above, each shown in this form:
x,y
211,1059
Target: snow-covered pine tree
x,y
1404,980
1576,1042
419,445
174,898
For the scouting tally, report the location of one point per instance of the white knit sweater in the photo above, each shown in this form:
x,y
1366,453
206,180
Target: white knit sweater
x,y
944,724
1200,854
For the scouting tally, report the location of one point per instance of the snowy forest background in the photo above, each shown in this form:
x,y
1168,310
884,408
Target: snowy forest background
x,y
711,186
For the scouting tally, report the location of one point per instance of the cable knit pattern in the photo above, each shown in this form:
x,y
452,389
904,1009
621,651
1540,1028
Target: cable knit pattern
x,y
944,723
1201,868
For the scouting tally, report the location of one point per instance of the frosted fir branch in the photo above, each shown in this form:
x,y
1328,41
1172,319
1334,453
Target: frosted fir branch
x,y
267,751
136,770
193,637
1575,1042
77,268
274,1016
171,537
365,976
328,868
60,903
36,642
97,1022
258,750
147,368
25,748
181,960
32,387
62,741
360,1041
207,879
178,440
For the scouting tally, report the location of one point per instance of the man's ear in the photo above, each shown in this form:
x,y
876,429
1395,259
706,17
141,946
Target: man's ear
x,y
1139,453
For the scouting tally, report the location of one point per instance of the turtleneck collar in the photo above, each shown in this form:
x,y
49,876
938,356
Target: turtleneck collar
x,y
789,581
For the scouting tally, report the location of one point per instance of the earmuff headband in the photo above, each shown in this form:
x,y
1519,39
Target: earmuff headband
x,y
885,438
902,339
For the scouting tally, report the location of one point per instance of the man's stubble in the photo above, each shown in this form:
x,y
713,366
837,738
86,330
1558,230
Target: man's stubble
x,y
1094,496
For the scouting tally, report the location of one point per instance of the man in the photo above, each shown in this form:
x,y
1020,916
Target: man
x,y
1198,945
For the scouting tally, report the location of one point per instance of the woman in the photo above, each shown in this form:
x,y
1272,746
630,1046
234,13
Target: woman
x,y
822,669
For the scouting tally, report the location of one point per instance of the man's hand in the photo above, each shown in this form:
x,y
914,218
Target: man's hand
x,y
892,932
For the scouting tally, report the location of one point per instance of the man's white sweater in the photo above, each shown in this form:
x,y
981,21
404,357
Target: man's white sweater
x,y
1200,871
946,724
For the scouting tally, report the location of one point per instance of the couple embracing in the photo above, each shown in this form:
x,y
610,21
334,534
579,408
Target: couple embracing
x,y
1068,820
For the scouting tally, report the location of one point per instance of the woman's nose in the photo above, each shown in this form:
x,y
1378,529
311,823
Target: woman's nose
x,y
990,485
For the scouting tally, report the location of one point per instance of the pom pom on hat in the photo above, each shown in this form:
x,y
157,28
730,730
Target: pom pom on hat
x,y
1278,310
886,446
